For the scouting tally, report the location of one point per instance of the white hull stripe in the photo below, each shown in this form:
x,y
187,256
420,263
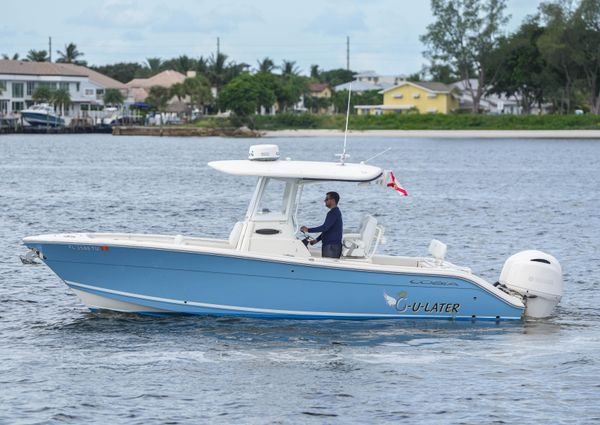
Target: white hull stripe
x,y
268,310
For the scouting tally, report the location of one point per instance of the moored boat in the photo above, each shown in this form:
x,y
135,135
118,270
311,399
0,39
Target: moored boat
x,y
42,115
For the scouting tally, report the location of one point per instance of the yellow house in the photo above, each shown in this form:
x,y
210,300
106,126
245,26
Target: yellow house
x,y
425,97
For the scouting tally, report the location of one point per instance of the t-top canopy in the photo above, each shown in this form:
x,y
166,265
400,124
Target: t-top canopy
x,y
305,170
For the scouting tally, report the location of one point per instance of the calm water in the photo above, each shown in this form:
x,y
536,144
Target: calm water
x,y
487,199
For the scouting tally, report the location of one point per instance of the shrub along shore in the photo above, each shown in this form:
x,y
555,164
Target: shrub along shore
x,y
392,125
408,122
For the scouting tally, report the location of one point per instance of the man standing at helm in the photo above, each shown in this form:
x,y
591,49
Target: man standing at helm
x,y
332,230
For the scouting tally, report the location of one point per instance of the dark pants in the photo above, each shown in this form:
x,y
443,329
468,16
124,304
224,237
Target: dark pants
x,y
332,250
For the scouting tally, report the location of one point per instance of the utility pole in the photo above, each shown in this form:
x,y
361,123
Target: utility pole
x,y
218,45
49,49
348,52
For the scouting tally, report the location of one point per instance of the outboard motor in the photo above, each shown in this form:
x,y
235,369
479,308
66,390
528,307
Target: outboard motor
x,y
537,276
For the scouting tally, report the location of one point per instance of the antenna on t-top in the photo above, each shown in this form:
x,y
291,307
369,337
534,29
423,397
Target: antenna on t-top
x,y
343,155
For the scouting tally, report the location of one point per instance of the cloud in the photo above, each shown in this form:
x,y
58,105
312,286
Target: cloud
x,y
338,23
224,19
115,14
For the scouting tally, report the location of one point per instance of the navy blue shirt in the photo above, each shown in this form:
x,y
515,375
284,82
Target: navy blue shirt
x,y
332,229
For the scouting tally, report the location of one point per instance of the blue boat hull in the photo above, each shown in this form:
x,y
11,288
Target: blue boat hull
x,y
148,280
40,119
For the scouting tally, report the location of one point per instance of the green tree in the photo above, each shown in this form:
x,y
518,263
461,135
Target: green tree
x,y
152,67
462,36
122,71
221,71
217,70
559,50
70,55
416,76
335,77
37,56
442,73
316,104
521,69
61,98
177,90
241,96
266,65
14,57
158,97
268,85
289,91
201,65
315,72
586,23
42,94
181,64
113,97
289,69
369,97
199,90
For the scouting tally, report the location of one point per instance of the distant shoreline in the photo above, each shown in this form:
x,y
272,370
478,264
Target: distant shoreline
x,y
442,134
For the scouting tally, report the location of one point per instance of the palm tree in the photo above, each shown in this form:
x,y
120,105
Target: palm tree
x,y
178,90
70,54
184,64
159,97
315,72
153,66
14,57
289,68
113,97
41,94
37,56
61,98
198,88
202,65
217,68
266,65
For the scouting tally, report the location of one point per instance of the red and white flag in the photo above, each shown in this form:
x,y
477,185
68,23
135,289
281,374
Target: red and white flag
x,y
396,186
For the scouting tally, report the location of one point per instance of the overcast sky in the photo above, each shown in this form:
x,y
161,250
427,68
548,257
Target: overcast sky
x,y
384,34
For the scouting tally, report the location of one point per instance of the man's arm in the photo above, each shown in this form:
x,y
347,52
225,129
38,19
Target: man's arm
x,y
330,220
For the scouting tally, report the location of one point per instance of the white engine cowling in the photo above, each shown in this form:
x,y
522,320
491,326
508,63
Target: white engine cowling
x,y
536,275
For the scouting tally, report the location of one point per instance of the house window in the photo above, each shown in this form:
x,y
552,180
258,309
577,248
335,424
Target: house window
x,y
432,95
432,110
398,96
17,92
17,106
100,92
2,86
63,86
77,85
416,95
3,106
30,87
89,92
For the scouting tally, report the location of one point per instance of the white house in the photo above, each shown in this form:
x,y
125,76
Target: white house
x,y
18,80
370,80
494,103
